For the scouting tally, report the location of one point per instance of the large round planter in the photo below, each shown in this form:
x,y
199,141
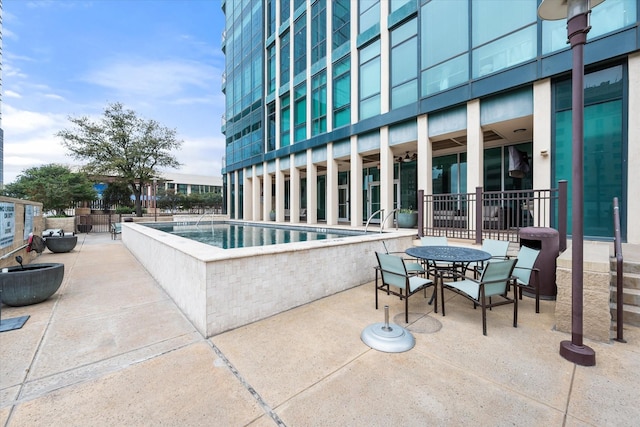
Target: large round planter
x,y
30,285
407,220
61,244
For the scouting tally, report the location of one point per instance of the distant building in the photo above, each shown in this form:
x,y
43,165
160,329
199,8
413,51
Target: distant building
x,y
342,108
188,184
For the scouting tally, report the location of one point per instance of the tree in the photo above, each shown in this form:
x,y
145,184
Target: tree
x,y
117,193
123,145
55,186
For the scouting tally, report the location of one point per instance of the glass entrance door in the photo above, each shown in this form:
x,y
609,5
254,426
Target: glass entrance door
x,y
373,199
343,203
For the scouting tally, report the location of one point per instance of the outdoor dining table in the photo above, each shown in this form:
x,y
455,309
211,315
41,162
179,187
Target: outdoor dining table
x,y
455,257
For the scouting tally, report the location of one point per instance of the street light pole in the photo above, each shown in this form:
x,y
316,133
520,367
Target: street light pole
x,y
577,14
155,200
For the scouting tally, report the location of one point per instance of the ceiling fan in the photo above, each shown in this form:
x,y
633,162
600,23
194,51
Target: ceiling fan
x,y
407,158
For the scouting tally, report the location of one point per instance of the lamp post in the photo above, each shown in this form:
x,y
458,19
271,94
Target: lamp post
x,y
577,14
155,199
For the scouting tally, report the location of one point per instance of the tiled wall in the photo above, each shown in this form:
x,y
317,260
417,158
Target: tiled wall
x,y
221,289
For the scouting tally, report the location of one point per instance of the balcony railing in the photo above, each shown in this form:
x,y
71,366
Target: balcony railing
x,y
493,214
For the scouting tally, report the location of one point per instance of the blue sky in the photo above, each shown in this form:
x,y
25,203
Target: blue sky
x,y
160,58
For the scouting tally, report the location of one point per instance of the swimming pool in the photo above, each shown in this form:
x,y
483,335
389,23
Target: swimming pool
x,y
221,289
233,235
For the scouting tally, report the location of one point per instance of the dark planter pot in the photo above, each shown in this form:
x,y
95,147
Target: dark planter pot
x,y
84,228
31,285
407,220
61,244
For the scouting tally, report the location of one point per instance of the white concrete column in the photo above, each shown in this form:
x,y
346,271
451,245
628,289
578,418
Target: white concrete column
x,y
236,199
475,147
267,182
425,162
279,193
356,202
312,189
542,134
633,154
332,187
425,156
257,193
229,193
247,196
386,172
294,187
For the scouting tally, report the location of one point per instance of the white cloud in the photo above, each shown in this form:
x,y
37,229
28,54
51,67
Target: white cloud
x,y
153,79
12,94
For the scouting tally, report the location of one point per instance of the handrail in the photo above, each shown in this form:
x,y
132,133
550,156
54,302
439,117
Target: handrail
x,y
5,256
617,248
371,217
201,216
384,221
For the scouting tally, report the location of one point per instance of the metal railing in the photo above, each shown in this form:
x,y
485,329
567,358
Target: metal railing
x,y
493,214
617,248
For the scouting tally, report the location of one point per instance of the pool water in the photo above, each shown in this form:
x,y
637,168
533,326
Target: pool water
x,y
227,235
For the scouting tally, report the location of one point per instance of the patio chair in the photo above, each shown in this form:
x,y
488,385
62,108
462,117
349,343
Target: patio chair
x,y
526,275
394,275
498,250
494,282
412,265
116,228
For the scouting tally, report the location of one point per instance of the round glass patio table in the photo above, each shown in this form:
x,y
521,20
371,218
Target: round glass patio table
x,y
445,261
451,254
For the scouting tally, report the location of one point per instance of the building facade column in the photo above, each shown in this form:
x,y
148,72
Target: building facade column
x,y
267,183
257,195
332,187
312,189
247,195
279,192
294,188
386,173
236,199
633,151
475,147
425,162
542,134
356,202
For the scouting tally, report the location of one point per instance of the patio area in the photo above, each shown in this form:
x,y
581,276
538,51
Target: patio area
x,y
111,348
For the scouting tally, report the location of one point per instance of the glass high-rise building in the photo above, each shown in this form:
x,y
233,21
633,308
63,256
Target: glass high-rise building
x,y
335,109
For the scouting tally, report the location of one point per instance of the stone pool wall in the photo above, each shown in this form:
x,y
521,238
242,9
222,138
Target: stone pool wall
x,y
222,289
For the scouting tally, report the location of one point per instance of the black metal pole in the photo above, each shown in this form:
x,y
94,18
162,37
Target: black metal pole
x,y
574,350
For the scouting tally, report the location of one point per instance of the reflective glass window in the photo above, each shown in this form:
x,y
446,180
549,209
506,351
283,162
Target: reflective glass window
x,y
285,59
404,64
318,31
370,80
369,14
319,103
300,45
285,121
300,113
342,92
341,22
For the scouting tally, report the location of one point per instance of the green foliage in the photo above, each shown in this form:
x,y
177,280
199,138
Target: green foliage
x,y
55,186
119,194
406,211
124,145
124,210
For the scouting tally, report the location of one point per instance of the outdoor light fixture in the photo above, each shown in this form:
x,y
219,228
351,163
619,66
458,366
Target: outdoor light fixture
x,y
407,158
577,14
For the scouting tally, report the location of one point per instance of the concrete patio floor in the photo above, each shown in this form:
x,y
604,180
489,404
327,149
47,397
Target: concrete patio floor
x,y
110,348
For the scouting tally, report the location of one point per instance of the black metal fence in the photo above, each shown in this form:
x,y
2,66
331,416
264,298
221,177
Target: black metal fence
x,y
493,214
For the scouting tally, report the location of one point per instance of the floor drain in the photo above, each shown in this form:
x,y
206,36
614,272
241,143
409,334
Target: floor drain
x,y
389,338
